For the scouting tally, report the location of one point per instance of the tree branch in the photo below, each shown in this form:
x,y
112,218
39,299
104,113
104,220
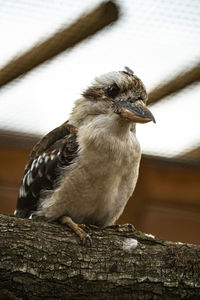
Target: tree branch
x,y
39,260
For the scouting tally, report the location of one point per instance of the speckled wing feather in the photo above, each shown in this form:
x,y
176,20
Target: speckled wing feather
x,y
56,150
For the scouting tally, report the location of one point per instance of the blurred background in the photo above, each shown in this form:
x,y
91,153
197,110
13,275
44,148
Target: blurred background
x,y
50,52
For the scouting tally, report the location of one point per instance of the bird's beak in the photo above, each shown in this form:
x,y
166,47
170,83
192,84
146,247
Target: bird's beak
x,y
136,112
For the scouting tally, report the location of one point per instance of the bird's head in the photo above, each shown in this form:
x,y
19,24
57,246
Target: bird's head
x,y
121,93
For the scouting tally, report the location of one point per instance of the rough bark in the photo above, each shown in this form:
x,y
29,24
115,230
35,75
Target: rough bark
x,y
39,260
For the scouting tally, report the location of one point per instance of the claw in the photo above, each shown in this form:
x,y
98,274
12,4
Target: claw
x,y
82,226
78,229
86,240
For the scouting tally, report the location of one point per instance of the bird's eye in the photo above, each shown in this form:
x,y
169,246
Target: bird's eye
x,y
113,90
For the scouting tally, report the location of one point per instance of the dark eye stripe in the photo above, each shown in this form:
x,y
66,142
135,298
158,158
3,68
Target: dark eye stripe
x,y
131,100
113,90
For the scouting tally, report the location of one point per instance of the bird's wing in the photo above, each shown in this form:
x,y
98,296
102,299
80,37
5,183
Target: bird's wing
x,y
56,150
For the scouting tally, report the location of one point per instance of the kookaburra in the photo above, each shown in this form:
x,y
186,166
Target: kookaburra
x,y
86,170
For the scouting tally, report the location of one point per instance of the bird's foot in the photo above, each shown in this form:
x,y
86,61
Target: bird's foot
x,y
78,229
83,226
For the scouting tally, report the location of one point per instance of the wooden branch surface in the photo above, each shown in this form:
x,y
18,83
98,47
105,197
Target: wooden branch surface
x,y
175,84
87,25
39,260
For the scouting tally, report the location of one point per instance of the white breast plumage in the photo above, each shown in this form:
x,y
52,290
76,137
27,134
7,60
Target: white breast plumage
x,y
100,180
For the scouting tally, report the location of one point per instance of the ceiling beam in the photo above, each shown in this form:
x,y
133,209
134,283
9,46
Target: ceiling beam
x,y
175,84
87,25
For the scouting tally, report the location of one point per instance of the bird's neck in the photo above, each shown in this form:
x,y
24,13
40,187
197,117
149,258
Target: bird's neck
x,y
112,125
88,114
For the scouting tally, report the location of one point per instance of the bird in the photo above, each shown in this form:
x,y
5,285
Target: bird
x,y
84,171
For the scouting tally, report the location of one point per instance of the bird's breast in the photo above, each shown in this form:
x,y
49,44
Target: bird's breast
x,y
97,186
105,176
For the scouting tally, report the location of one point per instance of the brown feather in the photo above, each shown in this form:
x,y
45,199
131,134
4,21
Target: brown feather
x,y
53,152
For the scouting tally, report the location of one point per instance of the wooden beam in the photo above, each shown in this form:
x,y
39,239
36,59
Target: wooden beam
x,y
87,25
193,154
175,84
18,140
